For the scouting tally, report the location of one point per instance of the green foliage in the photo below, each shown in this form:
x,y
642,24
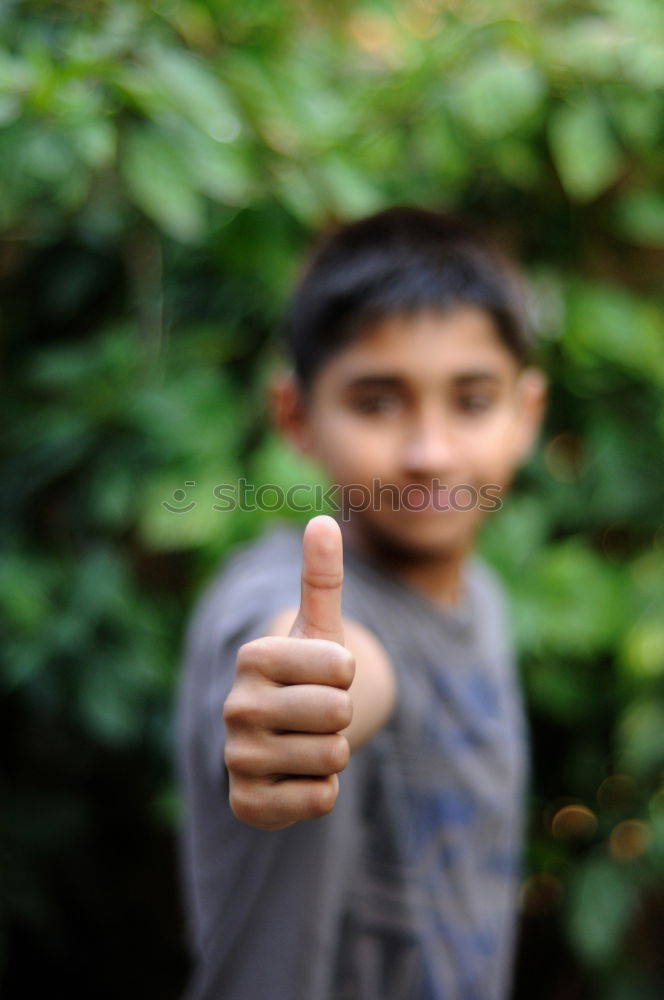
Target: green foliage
x,y
162,167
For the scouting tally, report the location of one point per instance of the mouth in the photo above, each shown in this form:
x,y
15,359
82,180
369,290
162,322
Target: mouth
x,y
413,498
418,499
433,501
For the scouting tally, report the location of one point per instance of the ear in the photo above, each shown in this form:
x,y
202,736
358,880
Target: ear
x,y
531,405
289,411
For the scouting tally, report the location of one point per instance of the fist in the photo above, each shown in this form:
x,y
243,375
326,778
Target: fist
x,y
290,701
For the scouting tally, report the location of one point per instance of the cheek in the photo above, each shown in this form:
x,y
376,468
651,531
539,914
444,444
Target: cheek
x,y
358,453
497,466
494,453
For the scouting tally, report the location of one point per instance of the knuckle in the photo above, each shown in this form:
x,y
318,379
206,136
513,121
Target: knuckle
x,y
244,707
322,577
245,803
343,664
229,755
236,797
322,797
254,655
347,709
249,754
236,756
338,709
232,709
339,664
338,754
237,710
244,656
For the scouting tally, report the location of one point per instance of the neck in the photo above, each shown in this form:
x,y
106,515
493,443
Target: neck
x,y
435,574
440,583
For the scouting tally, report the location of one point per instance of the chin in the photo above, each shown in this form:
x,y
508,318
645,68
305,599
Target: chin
x,y
417,542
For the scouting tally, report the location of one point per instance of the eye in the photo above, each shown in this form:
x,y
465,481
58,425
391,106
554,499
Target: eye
x,y
475,402
378,404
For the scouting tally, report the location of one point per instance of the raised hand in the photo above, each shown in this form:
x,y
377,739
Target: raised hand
x,y
289,701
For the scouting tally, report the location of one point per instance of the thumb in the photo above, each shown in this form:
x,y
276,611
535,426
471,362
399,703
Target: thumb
x,y
319,615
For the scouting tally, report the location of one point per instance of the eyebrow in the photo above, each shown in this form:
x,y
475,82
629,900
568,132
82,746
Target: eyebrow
x,y
477,376
396,381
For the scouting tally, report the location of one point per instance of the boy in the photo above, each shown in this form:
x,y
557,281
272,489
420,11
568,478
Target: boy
x,y
398,879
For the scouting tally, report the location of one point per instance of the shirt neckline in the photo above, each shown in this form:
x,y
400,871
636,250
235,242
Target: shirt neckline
x,y
458,617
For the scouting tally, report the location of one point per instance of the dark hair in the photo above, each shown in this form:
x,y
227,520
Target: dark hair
x,y
400,260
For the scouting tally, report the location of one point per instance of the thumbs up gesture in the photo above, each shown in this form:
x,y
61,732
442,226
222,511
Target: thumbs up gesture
x,y
290,701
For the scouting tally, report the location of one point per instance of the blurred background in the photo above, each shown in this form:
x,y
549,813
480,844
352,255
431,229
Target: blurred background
x,y
162,168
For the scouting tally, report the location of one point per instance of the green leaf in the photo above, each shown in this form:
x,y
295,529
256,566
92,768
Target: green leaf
x,y
179,513
602,901
96,143
607,323
567,602
641,737
188,85
497,94
584,150
351,192
640,217
223,171
158,181
298,193
643,649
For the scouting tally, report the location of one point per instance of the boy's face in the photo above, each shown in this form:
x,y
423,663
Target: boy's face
x,y
431,409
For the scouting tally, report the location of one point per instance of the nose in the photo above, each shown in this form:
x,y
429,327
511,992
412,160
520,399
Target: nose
x,y
429,447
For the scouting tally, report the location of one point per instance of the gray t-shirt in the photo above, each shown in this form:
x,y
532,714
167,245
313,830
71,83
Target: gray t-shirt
x,y
406,890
